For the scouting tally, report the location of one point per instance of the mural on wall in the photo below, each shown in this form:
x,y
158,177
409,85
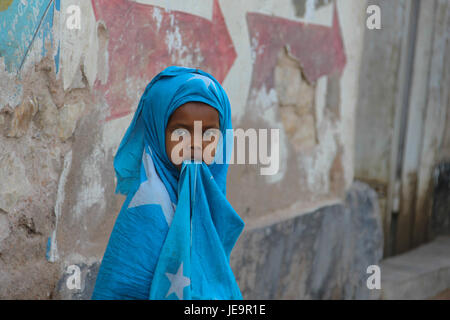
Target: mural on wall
x,y
23,23
319,49
144,39
290,66
295,86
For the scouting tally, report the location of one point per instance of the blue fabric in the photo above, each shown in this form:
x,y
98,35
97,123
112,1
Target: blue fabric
x,y
175,231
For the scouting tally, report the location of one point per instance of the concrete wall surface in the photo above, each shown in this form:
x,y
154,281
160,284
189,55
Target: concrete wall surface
x,y
69,89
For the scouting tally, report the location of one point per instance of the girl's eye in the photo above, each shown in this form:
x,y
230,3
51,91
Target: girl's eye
x,y
211,133
180,132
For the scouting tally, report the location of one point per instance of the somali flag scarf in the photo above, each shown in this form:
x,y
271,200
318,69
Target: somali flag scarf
x,y
174,234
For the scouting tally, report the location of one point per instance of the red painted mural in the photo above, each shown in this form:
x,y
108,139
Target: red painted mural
x,y
319,49
145,39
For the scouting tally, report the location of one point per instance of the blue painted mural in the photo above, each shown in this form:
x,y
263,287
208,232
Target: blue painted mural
x,y
24,23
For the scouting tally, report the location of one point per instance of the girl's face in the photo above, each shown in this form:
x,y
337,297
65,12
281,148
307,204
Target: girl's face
x,y
192,133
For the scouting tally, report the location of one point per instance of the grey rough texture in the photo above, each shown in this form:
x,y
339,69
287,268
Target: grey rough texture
x,y
417,274
320,255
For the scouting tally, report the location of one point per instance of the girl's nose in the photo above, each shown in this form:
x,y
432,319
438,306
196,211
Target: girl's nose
x,y
196,152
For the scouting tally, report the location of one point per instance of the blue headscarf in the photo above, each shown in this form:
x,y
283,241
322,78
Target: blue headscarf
x,y
175,232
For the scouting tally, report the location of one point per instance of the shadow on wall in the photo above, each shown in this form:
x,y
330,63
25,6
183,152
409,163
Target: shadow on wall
x,y
440,220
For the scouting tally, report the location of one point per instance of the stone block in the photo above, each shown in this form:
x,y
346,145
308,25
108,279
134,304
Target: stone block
x,y
417,274
319,255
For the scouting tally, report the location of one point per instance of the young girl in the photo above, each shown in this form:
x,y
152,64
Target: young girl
x,y
175,232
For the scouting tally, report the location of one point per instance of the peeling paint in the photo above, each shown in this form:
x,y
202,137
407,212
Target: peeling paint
x,y
21,24
266,102
60,196
79,48
158,17
113,132
92,192
316,165
12,90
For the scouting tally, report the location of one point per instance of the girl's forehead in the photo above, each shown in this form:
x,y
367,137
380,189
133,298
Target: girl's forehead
x,y
195,111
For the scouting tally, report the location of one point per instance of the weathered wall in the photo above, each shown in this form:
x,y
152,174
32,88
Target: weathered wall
x,y
401,136
441,175
284,64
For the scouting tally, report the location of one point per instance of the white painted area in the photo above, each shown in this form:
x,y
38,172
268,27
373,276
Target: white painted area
x,y
310,8
181,53
201,8
113,132
91,191
78,47
157,16
11,91
60,196
265,104
320,99
352,19
322,16
316,165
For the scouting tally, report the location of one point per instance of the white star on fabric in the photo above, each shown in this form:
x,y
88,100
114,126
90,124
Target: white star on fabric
x,y
177,282
206,80
153,191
